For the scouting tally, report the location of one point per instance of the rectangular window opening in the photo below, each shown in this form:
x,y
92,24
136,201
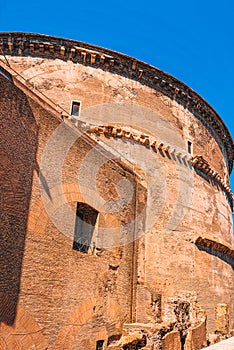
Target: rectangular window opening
x,y
190,147
84,234
100,345
75,108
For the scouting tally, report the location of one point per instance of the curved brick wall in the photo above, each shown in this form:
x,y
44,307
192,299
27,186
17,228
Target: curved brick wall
x,y
123,102
35,45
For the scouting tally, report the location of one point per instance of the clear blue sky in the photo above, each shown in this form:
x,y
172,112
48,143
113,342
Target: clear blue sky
x,y
192,40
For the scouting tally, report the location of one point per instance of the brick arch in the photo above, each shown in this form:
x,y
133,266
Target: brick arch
x,y
78,318
39,217
24,334
70,192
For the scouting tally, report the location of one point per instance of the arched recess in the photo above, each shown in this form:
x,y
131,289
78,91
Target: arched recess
x,y
39,215
89,311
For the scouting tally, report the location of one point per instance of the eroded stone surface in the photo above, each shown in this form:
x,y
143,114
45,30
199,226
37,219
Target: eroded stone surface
x,y
156,287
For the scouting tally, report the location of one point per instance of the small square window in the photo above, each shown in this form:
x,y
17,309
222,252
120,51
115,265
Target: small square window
x,y
75,108
190,147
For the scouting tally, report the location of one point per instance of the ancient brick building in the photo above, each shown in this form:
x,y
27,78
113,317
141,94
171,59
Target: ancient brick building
x,y
116,207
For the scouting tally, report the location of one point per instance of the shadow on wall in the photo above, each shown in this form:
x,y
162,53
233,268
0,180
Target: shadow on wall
x,y
18,146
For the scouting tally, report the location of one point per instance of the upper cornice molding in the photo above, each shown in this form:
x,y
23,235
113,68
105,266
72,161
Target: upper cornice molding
x,y
37,45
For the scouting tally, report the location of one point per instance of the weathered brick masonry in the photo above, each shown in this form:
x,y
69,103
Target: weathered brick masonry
x,y
19,133
146,164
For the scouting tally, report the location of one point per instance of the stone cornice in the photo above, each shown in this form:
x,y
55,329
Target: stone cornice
x,y
201,164
198,162
36,45
222,250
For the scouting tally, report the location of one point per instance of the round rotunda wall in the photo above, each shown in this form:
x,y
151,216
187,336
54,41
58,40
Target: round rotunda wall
x,y
173,139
